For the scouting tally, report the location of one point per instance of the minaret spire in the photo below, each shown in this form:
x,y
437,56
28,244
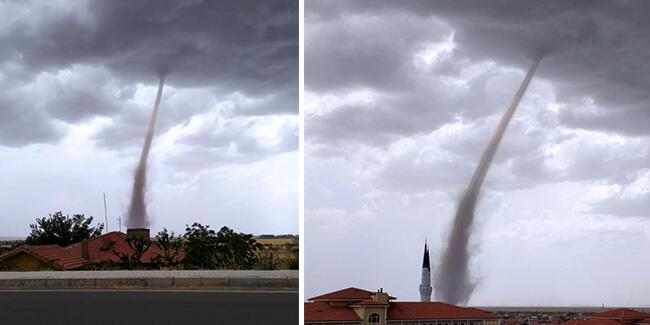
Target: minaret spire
x,y
425,283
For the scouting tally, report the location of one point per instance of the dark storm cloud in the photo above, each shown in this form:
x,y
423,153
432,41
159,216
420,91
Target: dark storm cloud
x,y
66,96
31,109
597,49
428,98
27,126
376,54
249,47
404,162
181,105
281,102
593,77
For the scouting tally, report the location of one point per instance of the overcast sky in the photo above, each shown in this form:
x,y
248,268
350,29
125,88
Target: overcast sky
x,y
78,81
401,98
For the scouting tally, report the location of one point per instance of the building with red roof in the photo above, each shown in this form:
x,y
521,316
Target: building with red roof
x,y
98,250
618,316
358,306
321,312
621,315
348,295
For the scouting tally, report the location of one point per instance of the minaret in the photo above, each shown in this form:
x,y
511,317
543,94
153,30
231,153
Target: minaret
x,y
425,284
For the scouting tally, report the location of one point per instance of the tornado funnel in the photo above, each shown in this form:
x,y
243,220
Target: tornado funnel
x,y
137,216
452,282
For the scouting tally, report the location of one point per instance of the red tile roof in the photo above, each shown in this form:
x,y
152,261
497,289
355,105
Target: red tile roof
x,y
322,311
592,322
350,294
345,294
42,253
64,257
434,310
621,313
69,257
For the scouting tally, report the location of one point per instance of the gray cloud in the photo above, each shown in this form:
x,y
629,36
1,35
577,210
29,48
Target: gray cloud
x,y
201,42
27,126
401,98
630,198
376,55
77,86
596,49
210,140
352,47
73,62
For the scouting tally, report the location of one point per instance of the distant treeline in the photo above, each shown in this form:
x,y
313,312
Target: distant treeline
x,y
8,245
266,236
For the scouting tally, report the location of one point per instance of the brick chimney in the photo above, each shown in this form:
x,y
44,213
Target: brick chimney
x,y
84,249
381,296
138,233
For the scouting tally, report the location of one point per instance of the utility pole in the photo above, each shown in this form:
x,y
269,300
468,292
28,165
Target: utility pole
x,y
105,213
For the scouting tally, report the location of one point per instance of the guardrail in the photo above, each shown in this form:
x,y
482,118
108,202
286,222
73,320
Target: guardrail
x,y
203,280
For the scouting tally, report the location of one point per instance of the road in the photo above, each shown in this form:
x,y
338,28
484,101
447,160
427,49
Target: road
x,y
147,307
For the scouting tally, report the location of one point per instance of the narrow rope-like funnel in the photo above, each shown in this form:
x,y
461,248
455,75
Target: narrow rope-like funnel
x,y
452,282
137,216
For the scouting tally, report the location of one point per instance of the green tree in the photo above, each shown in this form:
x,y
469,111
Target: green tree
x,y
62,229
200,247
236,250
226,249
170,247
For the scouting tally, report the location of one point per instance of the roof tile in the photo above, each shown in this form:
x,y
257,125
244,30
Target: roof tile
x,y
322,311
434,310
69,257
621,313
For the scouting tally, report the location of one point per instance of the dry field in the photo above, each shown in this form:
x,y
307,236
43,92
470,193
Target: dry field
x,y
282,251
275,241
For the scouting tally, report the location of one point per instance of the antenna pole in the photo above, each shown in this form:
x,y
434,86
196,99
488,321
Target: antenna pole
x,y
105,213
